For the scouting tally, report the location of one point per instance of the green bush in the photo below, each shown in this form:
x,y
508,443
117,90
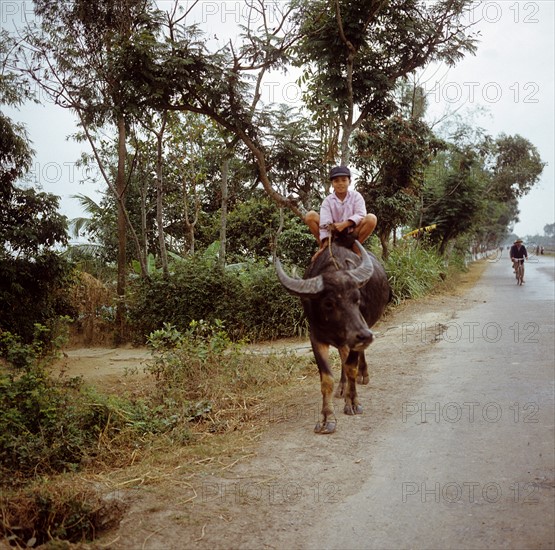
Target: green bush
x,y
43,427
44,345
50,425
196,289
296,244
181,358
246,297
250,301
32,291
267,311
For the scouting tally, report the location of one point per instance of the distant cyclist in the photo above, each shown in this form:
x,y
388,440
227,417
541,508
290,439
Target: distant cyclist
x,y
518,253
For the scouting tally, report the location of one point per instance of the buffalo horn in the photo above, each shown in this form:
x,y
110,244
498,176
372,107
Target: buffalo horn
x,y
299,287
364,271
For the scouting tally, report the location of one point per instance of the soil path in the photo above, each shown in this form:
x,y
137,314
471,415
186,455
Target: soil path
x,y
374,483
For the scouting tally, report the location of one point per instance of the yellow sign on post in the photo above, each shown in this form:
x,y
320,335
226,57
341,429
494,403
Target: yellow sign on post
x,y
420,230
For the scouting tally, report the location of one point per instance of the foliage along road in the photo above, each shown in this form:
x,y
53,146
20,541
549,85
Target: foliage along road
x,y
455,448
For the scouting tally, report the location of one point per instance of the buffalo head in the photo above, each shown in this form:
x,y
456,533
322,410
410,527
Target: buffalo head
x,y
315,285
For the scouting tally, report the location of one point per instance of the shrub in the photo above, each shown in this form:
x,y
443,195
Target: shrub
x,y
32,291
246,297
44,428
296,244
189,357
267,311
196,289
50,426
45,344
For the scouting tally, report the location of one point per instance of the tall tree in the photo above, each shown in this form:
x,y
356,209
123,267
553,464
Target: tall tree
x,y
91,58
294,154
454,201
475,190
354,53
157,127
516,166
31,271
15,150
392,156
226,85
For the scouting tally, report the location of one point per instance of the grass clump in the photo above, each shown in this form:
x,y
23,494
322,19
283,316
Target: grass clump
x,y
203,376
70,510
414,271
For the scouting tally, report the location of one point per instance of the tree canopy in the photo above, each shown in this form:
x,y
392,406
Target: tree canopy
x,y
183,139
31,228
354,53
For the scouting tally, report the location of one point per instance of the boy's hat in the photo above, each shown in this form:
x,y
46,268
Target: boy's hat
x,y
518,241
337,171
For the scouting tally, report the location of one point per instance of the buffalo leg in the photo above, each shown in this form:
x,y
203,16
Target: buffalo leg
x,y
352,406
328,421
362,377
343,353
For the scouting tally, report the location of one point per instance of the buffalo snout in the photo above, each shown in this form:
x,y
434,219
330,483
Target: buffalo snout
x,y
363,339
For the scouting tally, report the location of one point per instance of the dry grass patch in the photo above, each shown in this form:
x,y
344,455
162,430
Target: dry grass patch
x,y
93,302
68,508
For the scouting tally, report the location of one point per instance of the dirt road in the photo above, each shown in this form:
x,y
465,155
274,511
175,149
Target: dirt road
x,y
455,448
468,460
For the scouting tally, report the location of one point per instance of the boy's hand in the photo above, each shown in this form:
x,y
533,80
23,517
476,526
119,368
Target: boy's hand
x,y
340,226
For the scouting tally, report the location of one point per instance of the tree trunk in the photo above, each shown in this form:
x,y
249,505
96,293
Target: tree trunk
x,y
347,122
190,237
223,217
190,225
444,243
122,232
384,240
144,229
119,183
160,198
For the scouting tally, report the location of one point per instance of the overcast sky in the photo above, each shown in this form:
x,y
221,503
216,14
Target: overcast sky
x,y
510,81
512,77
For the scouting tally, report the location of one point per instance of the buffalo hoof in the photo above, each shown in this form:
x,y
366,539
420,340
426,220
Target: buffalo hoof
x,y
325,428
363,379
352,410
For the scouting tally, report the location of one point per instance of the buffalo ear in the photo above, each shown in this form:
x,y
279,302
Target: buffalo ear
x,y
299,287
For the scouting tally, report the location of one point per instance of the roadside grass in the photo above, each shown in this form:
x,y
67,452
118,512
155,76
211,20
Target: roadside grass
x,y
414,271
460,279
202,407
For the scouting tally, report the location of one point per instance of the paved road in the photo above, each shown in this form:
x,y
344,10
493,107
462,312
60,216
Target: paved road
x,y
469,460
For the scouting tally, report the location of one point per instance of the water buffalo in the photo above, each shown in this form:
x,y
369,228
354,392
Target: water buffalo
x,y
343,295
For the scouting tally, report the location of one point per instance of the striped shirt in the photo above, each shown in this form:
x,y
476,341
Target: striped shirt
x,y
334,210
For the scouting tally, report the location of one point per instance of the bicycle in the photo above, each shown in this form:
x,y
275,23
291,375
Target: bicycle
x,y
519,270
